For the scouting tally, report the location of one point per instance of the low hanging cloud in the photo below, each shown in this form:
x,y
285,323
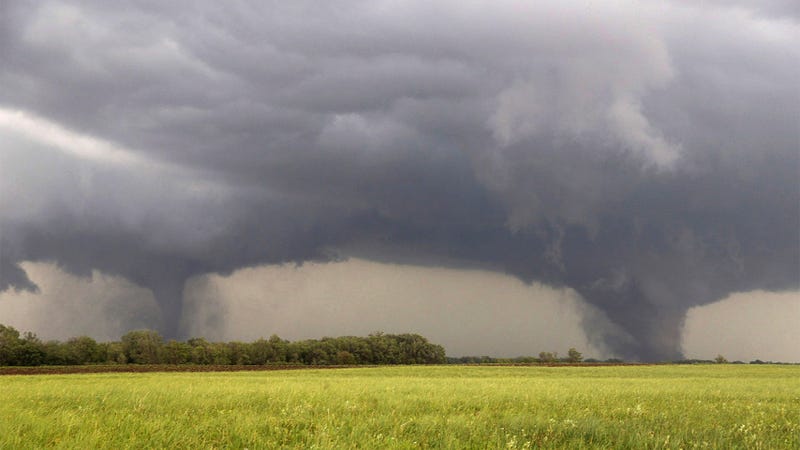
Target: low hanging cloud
x,y
472,312
643,154
770,319
102,306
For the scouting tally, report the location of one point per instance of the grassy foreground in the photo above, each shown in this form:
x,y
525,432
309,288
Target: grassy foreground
x,y
721,406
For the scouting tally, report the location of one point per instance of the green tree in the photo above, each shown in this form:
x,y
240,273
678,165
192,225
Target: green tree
x,y
261,352
548,357
574,356
142,346
265,351
220,353
280,348
112,353
9,343
239,353
30,351
385,349
177,352
81,350
55,353
356,346
201,351
343,357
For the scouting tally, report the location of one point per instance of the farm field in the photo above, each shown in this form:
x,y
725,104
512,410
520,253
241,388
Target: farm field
x,y
707,406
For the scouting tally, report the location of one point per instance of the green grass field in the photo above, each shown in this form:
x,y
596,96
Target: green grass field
x,y
710,406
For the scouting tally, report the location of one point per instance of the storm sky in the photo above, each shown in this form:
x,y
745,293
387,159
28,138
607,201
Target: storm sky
x,y
636,159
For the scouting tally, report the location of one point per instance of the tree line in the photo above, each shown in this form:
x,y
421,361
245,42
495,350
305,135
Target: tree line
x,y
149,347
573,357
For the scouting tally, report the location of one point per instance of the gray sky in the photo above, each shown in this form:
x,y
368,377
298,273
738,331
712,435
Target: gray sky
x,y
641,156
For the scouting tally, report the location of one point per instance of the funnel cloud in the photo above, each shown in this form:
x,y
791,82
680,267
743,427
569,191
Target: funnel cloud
x,y
645,155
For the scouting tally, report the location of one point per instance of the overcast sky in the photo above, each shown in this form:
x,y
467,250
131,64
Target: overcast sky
x,y
611,165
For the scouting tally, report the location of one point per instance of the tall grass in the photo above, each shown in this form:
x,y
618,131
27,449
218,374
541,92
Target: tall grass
x,y
720,406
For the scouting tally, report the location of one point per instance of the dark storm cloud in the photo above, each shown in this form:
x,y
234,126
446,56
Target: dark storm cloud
x,y
645,155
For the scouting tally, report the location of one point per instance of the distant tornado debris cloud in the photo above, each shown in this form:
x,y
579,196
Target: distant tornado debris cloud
x,y
644,154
